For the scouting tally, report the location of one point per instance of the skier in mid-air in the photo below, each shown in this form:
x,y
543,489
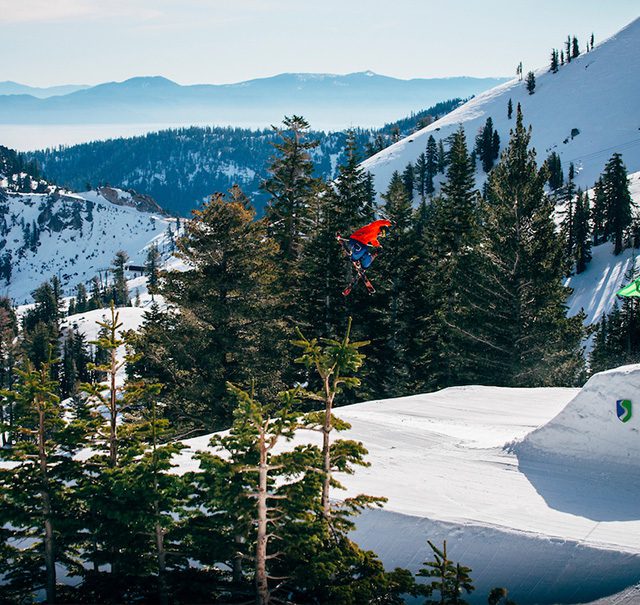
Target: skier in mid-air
x,y
362,247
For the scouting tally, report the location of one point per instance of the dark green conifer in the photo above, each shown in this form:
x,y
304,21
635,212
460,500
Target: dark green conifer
x,y
531,82
532,340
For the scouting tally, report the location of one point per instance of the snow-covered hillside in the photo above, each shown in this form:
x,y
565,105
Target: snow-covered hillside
x,y
594,290
448,464
74,236
597,94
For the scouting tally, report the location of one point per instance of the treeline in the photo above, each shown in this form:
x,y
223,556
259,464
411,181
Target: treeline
x,y
179,168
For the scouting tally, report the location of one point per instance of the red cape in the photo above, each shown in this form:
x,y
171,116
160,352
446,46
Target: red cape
x,y
368,235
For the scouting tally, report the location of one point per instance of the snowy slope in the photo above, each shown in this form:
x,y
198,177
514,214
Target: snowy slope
x,y
594,289
597,93
74,252
441,460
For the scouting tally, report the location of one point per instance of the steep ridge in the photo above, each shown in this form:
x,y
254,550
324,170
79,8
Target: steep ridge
x,y
73,236
595,96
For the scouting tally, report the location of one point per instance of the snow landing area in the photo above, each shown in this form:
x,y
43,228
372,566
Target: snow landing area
x,y
456,465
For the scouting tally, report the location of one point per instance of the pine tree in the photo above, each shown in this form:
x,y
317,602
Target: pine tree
x,y
408,180
229,325
81,298
341,209
488,145
618,200
561,57
152,268
531,82
75,363
567,226
335,362
554,168
132,498
432,164
509,109
442,157
575,49
388,316
450,580
599,213
446,277
567,49
532,342
120,291
582,233
554,61
38,504
290,187
421,176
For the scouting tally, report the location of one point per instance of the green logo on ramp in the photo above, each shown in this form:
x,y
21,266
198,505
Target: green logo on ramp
x,y
623,409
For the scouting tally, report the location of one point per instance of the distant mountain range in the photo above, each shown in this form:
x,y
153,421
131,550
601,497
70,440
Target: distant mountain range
x,y
14,88
328,101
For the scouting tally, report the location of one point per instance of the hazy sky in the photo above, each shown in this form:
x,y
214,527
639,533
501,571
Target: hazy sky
x,y
47,42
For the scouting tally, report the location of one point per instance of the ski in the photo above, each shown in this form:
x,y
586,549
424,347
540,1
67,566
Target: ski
x,y
360,272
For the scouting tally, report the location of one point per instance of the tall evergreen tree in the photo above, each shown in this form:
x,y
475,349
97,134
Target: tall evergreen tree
x,y
420,175
152,269
532,341
38,504
531,82
228,326
582,233
509,109
342,209
290,186
599,213
618,200
554,61
432,164
446,273
554,168
408,180
120,290
488,145
575,49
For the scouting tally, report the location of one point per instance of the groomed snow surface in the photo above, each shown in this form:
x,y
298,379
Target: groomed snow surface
x,y
537,490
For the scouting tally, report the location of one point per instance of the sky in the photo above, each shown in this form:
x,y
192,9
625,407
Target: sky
x,y
52,42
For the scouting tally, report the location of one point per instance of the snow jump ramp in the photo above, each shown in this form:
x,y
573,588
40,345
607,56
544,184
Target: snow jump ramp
x,y
537,490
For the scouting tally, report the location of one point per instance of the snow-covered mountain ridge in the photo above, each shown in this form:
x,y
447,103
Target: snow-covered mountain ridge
x,y
73,236
596,95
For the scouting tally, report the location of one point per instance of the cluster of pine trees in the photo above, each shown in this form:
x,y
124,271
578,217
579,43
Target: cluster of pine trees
x,y
589,222
180,167
469,290
94,512
469,285
571,51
